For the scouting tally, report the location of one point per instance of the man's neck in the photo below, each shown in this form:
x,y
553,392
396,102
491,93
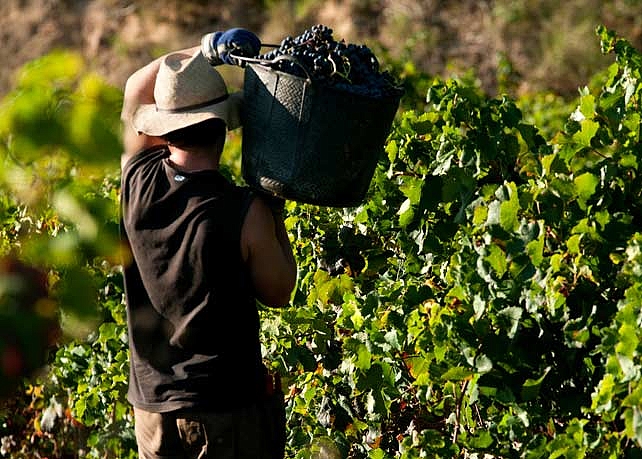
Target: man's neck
x,y
193,159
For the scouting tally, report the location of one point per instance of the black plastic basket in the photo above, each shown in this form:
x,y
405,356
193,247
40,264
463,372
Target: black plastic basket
x,y
309,142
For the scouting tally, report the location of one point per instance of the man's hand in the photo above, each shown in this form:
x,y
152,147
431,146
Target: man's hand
x,y
222,47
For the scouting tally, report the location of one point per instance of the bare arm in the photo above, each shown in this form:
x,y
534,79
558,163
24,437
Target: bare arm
x,y
267,251
139,89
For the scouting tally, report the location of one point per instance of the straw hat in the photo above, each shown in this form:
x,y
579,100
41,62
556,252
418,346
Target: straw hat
x,y
187,91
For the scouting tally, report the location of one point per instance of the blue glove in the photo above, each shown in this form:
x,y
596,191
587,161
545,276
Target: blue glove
x,y
221,47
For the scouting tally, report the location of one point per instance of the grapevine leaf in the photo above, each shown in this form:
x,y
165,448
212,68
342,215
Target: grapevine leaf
x,y
457,374
512,316
363,357
497,259
406,213
633,423
377,453
586,185
482,440
629,161
573,243
632,125
630,86
531,388
392,150
587,106
634,398
535,250
493,214
629,340
479,306
585,135
412,187
509,210
483,364
603,397
480,215
419,367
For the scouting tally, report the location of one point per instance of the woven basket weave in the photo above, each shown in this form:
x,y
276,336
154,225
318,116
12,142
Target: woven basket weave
x,y
308,142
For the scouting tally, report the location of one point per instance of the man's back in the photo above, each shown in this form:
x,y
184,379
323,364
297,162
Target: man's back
x,y
193,317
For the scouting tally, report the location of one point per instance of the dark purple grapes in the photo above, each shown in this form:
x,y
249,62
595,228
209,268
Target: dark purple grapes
x,y
315,54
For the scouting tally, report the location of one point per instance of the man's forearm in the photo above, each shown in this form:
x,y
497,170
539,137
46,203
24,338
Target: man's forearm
x,y
139,88
284,242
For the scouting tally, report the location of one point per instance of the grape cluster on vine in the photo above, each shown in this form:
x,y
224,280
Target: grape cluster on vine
x,y
315,54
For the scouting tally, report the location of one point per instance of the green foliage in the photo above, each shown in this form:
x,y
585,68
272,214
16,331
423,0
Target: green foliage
x,y
481,301
91,377
60,149
58,105
484,301
60,142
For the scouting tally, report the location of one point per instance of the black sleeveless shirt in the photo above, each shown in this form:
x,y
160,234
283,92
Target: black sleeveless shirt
x,y
192,317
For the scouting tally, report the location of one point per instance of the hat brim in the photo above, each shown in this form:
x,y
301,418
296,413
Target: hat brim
x,y
148,120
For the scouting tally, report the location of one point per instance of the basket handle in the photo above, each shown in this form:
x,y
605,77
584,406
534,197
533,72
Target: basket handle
x,y
267,62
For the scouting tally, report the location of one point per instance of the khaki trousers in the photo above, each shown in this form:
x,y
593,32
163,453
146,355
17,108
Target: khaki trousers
x,y
253,432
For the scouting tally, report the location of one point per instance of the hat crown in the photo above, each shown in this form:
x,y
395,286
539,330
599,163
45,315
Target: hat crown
x,y
185,81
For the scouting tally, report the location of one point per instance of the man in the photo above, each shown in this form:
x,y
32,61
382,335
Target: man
x,y
203,251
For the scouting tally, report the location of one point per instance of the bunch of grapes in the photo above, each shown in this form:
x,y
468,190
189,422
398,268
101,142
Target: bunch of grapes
x,y
315,54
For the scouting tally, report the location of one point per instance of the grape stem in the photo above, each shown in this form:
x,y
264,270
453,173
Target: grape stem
x,y
335,69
